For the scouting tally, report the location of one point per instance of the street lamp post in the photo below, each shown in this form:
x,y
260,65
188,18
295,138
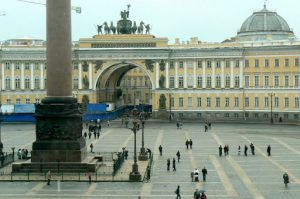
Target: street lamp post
x,y
143,154
135,175
271,95
170,117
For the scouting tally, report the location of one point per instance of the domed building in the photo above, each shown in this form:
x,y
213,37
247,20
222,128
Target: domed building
x,y
265,25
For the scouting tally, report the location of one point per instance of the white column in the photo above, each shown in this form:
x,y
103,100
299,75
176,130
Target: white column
x,y
22,76
3,77
241,74
222,74
157,74
80,76
176,74
195,76
167,75
13,76
185,75
42,84
203,74
213,78
31,77
231,74
90,76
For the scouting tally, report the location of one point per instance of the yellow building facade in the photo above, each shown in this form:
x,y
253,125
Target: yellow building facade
x,y
253,76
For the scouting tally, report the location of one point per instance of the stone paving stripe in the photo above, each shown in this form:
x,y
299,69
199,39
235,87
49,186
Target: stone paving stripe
x,y
282,168
36,188
287,146
91,189
223,177
193,162
241,173
125,143
147,187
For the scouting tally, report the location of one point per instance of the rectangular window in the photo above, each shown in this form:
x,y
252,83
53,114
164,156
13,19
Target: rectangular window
x,y
256,63
286,102
227,64
27,100
180,101
171,64
276,102
256,81
276,81
172,84
190,101
76,65
18,101
286,81
266,81
199,64
236,102
180,82
226,101
17,66
218,102
237,63
199,102
208,102
286,62
208,64
237,82
36,66
181,64
218,64
246,101
266,63
218,81
190,80
172,101
8,101
246,63
256,102
247,82
17,83
276,63
227,82
266,102
296,102
199,82
37,83
190,65
296,61
7,66
296,81
208,82
27,66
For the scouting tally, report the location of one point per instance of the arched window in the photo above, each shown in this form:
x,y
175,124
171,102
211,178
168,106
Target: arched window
x,y
17,83
37,83
7,83
27,83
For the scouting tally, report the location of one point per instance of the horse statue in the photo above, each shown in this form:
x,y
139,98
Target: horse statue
x,y
112,28
134,28
141,28
99,29
147,29
106,28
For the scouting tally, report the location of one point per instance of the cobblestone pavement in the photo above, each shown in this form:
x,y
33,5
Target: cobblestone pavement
x,y
231,177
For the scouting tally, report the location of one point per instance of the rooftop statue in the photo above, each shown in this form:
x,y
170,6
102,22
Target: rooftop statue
x,y
125,14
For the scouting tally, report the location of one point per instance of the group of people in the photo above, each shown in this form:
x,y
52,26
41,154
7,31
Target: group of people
x,y
226,150
197,194
252,148
195,175
179,124
189,143
207,125
22,154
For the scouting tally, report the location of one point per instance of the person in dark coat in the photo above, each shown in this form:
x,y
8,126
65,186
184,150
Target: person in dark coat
x,y
285,179
178,156
160,150
148,173
245,150
187,144
191,144
204,173
177,191
220,150
269,150
174,164
168,164
252,148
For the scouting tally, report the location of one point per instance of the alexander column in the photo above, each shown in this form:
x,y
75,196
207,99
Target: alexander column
x,y
58,118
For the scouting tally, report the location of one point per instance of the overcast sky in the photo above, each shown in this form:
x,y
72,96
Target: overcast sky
x,y
209,20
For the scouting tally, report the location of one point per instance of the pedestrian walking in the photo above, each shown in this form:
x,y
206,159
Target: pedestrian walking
x,y
89,175
177,125
285,179
220,150
177,191
245,150
148,173
209,125
192,176
204,173
205,128
178,156
196,174
174,164
108,123
48,177
196,194
225,150
126,155
269,150
191,144
168,164
160,150
90,134
252,147
187,144
203,196
91,146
